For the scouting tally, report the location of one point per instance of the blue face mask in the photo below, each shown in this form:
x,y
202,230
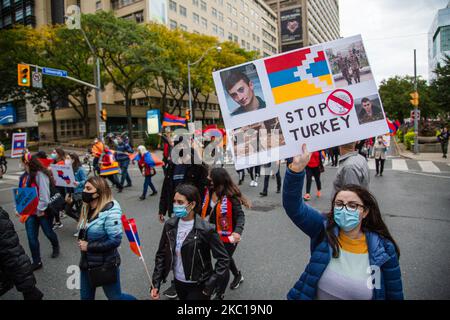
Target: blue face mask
x,y
53,156
345,219
180,211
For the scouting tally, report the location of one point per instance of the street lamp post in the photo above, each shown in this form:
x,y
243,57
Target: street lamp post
x,y
218,48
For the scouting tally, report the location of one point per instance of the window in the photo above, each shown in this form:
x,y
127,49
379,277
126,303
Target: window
x,y
221,32
445,38
173,6
183,27
220,16
196,18
214,29
214,12
183,11
195,2
139,16
230,36
203,5
19,15
6,3
29,11
173,24
204,23
98,5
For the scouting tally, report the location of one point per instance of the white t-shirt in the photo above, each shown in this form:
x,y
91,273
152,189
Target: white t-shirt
x,y
184,228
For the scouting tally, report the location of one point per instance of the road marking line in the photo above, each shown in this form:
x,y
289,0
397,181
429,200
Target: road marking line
x,y
426,175
399,164
429,166
371,164
5,189
10,177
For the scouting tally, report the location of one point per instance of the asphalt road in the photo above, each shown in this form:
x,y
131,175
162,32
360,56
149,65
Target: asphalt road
x,y
273,252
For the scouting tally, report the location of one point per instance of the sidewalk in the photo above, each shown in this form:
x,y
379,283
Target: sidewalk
x,y
436,157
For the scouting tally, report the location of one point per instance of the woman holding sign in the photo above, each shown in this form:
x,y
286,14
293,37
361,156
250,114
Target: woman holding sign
x,y
100,234
36,176
353,255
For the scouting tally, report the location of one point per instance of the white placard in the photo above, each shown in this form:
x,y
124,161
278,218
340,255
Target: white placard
x,y
324,96
19,144
63,175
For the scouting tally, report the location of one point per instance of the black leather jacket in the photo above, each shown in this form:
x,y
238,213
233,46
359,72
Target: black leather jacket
x,y
195,252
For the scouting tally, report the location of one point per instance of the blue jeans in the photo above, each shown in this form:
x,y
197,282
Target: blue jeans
x,y
32,227
112,291
124,169
147,183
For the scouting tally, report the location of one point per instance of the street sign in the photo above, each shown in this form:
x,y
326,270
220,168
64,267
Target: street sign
x,y
102,127
412,114
54,72
37,80
153,121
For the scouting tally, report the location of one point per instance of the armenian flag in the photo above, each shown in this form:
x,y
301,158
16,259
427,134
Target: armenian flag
x,y
171,120
393,126
299,74
130,228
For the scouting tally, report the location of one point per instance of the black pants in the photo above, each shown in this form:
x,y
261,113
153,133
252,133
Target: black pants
x,y
241,174
313,172
377,165
334,159
223,282
95,165
114,180
267,178
190,291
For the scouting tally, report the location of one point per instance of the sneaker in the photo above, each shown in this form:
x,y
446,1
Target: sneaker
x,y
218,297
171,293
55,253
252,183
153,194
278,191
240,182
141,198
307,197
57,225
36,266
263,194
76,234
236,281
256,184
319,194
62,215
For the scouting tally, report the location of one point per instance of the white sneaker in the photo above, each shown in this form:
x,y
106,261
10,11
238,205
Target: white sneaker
x,y
256,184
252,183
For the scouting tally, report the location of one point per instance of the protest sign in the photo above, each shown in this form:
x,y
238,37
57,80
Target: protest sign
x,y
26,200
18,145
63,175
324,96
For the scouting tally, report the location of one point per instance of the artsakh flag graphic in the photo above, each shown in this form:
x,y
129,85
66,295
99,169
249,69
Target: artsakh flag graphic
x,y
130,228
299,74
63,177
393,126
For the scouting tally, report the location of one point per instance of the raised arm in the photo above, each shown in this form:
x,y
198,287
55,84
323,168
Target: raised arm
x,y
308,219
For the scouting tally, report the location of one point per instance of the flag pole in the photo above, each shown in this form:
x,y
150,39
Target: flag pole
x,y
141,255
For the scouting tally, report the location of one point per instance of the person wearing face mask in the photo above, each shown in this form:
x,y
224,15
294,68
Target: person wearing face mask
x,y
186,245
100,235
379,152
222,207
123,151
36,176
353,255
60,157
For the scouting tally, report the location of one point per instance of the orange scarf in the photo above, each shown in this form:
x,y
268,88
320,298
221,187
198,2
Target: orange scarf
x,y
224,216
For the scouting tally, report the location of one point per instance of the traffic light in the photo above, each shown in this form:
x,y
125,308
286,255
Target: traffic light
x,y
23,75
103,114
415,98
188,115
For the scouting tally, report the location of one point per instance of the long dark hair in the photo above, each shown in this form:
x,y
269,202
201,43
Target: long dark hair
x,y
76,163
224,186
192,194
373,222
35,166
61,154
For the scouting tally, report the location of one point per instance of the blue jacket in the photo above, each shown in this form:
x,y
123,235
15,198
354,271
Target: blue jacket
x,y
104,235
381,251
122,151
80,177
147,159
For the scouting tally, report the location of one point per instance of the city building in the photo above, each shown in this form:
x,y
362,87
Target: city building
x,y
251,24
303,23
438,40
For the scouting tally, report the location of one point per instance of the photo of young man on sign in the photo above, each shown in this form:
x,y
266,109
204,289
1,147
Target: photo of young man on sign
x,y
243,87
368,109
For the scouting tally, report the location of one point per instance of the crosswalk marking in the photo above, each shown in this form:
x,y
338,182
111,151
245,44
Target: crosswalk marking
x,y
399,164
428,166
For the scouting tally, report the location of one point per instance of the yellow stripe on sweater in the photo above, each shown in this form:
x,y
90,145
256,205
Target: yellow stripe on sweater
x,y
358,246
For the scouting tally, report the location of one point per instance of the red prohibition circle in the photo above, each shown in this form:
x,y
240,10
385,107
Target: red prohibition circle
x,y
338,106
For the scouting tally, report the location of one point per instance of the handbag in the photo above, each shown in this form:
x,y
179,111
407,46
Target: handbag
x,y
103,275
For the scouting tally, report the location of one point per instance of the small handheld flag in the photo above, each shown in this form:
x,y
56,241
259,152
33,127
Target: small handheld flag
x,y
171,120
130,228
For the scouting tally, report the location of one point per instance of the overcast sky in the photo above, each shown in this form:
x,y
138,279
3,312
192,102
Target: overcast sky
x,y
391,30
